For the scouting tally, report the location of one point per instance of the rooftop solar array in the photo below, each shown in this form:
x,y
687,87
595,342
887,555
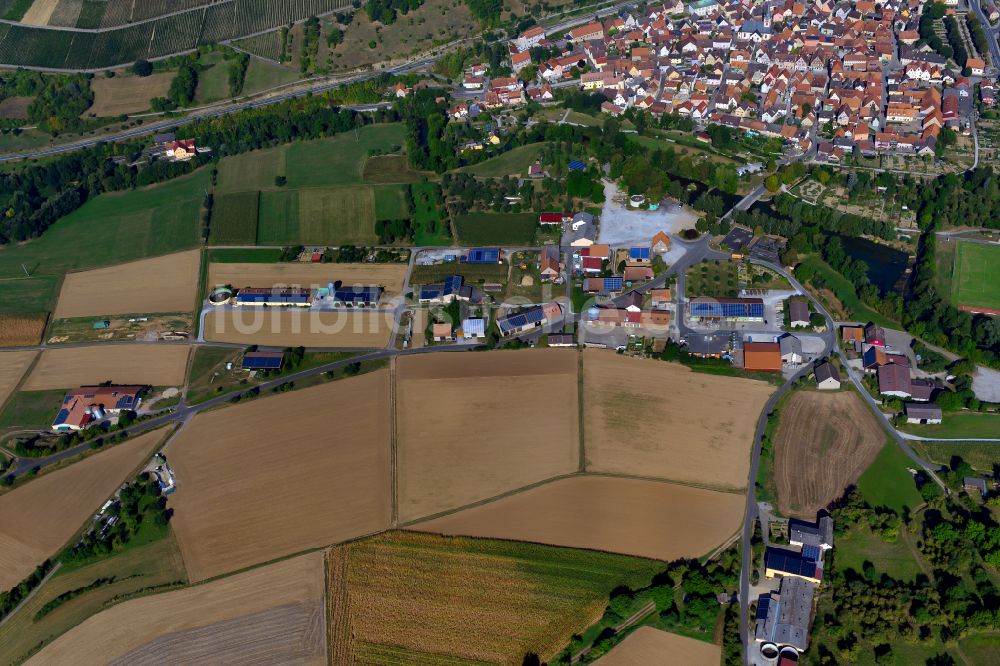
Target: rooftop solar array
x,y
483,255
639,253
521,319
577,165
613,283
263,360
730,310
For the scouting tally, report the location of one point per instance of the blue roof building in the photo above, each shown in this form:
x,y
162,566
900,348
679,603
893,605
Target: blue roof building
x,y
740,309
577,165
358,296
483,255
638,254
263,360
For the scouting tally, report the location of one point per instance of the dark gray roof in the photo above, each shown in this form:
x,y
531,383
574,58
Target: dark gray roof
x,y
827,370
922,411
787,614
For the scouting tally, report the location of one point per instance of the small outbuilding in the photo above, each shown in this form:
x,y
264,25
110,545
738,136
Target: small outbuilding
x,y
973,484
827,377
923,414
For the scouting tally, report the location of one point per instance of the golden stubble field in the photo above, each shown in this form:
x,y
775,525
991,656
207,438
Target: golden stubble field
x,y
152,364
38,518
273,614
653,519
126,93
648,645
292,327
13,365
473,426
297,274
21,330
823,443
161,284
277,475
655,419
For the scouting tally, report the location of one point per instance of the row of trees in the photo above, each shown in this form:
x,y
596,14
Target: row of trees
x,y
385,11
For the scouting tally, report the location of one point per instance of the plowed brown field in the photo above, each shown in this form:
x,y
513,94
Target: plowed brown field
x,y
161,284
647,645
152,364
823,443
650,418
13,365
273,614
281,474
390,276
473,426
285,327
630,516
38,518
127,94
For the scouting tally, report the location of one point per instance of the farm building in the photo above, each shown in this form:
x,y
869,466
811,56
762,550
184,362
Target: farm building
x,y
788,563
528,320
639,255
605,285
442,333
783,617
874,335
562,340
550,267
483,255
732,309
275,296
638,274
798,312
629,317
660,299
922,414
554,218
89,404
791,349
852,334
473,329
452,289
358,297
591,264
974,484
762,356
827,377
802,533
875,357
259,360
894,379
599,250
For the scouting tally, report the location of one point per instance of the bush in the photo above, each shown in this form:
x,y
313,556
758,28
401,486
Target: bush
x,y
142,68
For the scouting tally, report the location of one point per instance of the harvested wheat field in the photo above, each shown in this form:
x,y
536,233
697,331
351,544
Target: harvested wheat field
x,y
21,330
407,598
15,107
473,426
273,614
39,12
292,327
281,474
656,419
13,365
823,443
418,338
38,518
127,94
390,276
161,284
648,645
653,519
152,364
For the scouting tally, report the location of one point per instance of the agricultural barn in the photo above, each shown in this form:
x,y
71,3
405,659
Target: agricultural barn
x,y
781,562
554,218
274,296
453,288
802,533
639,255
875,357
527,320
875,335
358,297
442,333
733,309
922,414
482,255
784,617
762,356
259,360
798,312
827,377
89,404
562,340
473,328
852,333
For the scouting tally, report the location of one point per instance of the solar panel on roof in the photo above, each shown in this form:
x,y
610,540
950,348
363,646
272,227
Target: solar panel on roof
x,y
61,416
577,165
811,553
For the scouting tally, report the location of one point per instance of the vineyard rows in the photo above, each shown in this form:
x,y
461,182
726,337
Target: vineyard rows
x,y
266,45
218,21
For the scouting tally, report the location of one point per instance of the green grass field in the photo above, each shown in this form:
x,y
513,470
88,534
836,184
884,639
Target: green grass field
x,y
473,273
860,545
887,483
27,295
147,567
339,160
496,228
264,255
981,650
251,171
234,219
115,228
981,455
512,163
262,75
390,202
959,425
31,409
431,229
977,275
390,169
213,79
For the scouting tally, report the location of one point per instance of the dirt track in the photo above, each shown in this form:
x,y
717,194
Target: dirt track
x,y
161,284
281,474
650,418
273,614
156,365
473,426
647,518
823,443
38,518
647,645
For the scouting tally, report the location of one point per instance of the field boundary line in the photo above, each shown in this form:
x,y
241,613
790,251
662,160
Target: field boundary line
x,y
393,444
580,411
31,594
632,620
661,479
